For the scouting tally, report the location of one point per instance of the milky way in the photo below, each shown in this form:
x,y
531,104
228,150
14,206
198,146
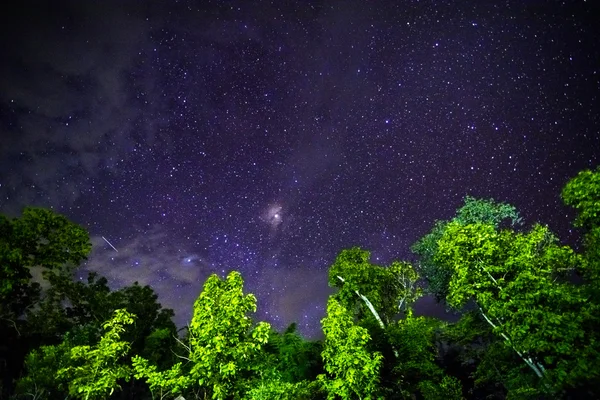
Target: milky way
x,y
202,137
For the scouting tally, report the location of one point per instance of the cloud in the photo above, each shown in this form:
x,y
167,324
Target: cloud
x,y
66,91
150,258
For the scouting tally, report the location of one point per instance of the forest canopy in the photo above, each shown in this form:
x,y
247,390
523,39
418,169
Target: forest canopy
x,y
526,331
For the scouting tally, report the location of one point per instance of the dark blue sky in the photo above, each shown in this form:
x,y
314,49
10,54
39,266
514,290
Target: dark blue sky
x,y
201,137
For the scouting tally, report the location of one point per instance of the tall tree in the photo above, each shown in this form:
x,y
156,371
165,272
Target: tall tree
x,y
41,239
352,369
473,211
287,368
40,380
517,282
381,299
416,369
583,193
373,290
222,343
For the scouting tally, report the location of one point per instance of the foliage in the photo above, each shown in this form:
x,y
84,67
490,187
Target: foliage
x,y
473,211
486,212
293,357
41,365
390,290
95,370
274,388
222,340
530,331
222,343
352,370
426,248
170,381
583,194
515,281
415,367
447,388
38,238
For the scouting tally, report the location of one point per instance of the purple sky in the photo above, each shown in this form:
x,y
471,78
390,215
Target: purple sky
x,y
201,137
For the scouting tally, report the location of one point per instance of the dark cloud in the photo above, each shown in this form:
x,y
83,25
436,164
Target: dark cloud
x,y
65,78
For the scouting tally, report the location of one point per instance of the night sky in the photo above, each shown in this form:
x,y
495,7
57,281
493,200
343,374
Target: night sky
x,y
201,137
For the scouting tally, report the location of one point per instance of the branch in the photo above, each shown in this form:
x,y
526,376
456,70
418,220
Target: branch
x,y
182,357
373,311
14,325
183,344
535,366
480,263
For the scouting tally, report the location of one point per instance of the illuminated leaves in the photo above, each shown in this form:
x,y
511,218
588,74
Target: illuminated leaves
x,y
222,344
583,194
94,371
352,370
516,280
389,289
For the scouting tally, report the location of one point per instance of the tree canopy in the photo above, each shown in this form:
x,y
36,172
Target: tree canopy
x,y
526,329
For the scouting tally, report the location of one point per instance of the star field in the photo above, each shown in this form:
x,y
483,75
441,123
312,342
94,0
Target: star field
x,y
201,137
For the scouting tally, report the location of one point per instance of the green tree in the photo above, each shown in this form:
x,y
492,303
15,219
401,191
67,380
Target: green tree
x,y
416,369
162,383
297,358
473,211
223,345
352,370
39,239
377,296
287,368
40,381
583,193
470,354
385,291
95,371
517,282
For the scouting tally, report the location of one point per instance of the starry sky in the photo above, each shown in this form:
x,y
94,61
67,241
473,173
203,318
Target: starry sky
x,y
266,136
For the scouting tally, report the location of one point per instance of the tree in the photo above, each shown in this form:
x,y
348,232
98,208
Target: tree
x,y
38,239
473,211
352,370
416,368
95,371
287,368
583,193
380,294
297,359
385,291
517,282
40,381
161,383
468,352
222,343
